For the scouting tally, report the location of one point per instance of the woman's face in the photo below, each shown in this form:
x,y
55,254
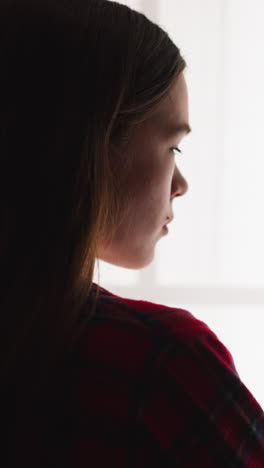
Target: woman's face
x,y
151,182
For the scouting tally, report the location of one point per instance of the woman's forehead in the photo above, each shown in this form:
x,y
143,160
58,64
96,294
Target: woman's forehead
x,y
172,115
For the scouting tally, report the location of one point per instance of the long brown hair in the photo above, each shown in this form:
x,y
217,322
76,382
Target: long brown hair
x,y
76,75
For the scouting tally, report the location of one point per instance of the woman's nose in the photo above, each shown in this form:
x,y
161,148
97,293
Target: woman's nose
x,y
179,184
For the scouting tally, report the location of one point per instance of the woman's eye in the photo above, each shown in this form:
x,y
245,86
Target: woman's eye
x,y
176,149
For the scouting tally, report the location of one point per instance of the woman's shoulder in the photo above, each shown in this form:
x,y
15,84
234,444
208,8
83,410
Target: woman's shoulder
x,y
174,375
155,328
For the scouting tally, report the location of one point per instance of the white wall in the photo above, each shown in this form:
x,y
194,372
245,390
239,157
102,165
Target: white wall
x,y
212,261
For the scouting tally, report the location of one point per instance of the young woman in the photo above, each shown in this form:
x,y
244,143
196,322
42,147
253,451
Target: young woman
x,y
93,106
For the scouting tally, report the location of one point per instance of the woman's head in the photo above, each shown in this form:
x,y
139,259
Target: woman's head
x,y
80,80
150,181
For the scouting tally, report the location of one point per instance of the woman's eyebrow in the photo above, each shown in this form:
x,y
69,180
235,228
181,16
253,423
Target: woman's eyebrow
x,y
183,127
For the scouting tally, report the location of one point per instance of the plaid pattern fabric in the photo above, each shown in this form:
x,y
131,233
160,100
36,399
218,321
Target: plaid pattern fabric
x,y
154,387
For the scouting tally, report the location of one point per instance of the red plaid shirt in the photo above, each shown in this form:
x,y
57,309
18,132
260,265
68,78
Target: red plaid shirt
x,y
154,387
